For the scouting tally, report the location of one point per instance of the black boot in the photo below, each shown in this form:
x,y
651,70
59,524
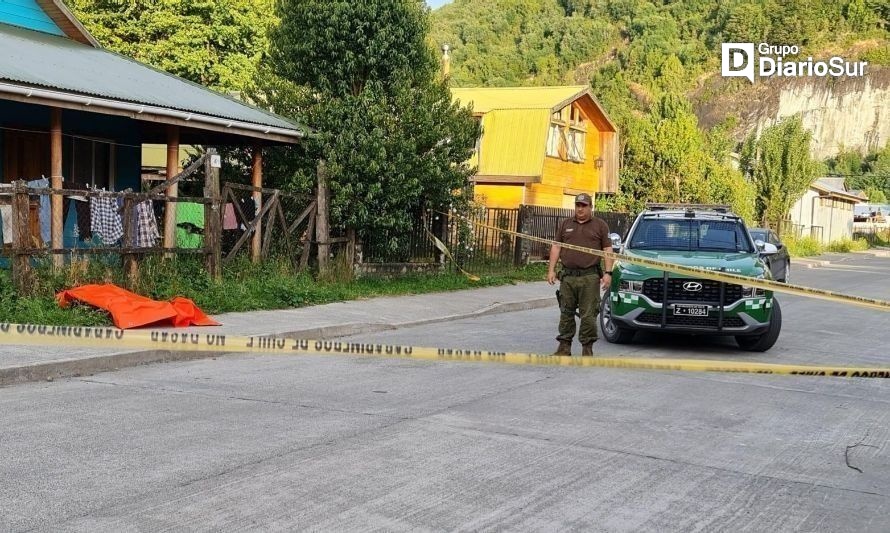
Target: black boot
x,y
587,349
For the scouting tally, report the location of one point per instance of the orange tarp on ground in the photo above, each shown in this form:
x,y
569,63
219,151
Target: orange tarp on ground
x,y
129,310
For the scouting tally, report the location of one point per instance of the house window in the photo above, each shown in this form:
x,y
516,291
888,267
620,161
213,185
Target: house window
x,y
92,162
553,140
577,117
576,141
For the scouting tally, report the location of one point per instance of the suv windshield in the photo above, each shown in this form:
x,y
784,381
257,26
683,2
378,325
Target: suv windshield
x,y
690,235
758,235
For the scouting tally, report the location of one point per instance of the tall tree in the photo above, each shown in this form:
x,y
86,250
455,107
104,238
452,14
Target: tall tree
x,y
781,168
393,140
217,43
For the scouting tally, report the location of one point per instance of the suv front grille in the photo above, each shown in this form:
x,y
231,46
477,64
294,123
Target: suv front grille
x,y
653,288
692,321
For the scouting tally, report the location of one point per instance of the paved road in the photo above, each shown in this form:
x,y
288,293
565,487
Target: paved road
x,y
814,331
314,442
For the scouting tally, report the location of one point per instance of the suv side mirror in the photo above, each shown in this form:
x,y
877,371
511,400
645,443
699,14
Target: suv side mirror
x,y
616,242
766,248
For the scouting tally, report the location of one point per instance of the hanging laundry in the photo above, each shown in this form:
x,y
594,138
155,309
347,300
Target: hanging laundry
x,y
45,216
105,220
69,227
146,226
230,221
189,225
6,219
249,208
84,219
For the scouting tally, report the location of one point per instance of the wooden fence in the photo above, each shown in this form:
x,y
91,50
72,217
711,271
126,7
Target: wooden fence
x,y
23,249
275,220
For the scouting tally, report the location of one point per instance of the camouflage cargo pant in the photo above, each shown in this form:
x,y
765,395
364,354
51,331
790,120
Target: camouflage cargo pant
x,y
581,293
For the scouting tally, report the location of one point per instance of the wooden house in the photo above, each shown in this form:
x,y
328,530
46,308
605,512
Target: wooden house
x,y
76,113
541,145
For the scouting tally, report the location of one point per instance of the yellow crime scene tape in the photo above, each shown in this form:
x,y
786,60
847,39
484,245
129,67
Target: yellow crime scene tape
x,y
444,249
29,334
785,288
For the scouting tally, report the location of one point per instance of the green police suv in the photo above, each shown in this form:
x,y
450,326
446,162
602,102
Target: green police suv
x,y
711,237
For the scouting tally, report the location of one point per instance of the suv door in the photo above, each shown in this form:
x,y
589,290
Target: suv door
x,y
778,262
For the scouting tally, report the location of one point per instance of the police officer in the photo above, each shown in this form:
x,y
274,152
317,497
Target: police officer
x,y
581,276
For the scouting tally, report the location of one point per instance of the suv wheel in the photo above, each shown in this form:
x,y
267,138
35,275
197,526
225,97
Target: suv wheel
x,y
764,341
611,330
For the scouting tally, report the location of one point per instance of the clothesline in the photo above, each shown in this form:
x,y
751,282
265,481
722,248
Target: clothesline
x,y
114,194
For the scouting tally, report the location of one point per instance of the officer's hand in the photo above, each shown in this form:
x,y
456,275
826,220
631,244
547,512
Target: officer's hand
x,y
606,280
551,277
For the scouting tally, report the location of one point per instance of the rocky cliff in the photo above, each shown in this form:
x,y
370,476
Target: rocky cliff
x,y
850,113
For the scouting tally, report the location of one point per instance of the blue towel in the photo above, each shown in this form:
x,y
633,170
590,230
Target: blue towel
x,y
45,216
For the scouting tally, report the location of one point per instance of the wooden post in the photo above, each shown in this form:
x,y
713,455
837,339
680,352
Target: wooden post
x,y
322,236
130,263
212,214
307,242
257,181
350,249
56,200
518,243
274,203
21,263
172,190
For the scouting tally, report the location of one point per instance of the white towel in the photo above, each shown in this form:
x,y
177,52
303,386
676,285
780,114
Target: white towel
x,y
6,218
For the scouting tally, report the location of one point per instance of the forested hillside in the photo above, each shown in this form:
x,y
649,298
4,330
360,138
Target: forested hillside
x,y
537,42
649,62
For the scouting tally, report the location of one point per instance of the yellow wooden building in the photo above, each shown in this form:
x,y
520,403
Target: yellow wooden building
x,y
541,145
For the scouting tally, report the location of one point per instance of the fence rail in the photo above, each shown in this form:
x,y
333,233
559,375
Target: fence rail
x,y
875,235
131,231
474,243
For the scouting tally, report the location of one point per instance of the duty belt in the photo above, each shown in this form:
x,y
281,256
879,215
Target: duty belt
x,y
580,271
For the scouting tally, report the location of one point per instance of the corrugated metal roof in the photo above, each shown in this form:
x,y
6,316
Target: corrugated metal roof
x,y
485,99
835,187
514,142
38,59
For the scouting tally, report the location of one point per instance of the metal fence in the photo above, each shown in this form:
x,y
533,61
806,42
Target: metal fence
x,y
789,230
474,243
875,236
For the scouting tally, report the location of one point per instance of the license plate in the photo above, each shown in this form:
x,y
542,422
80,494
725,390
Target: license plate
x,y
690,310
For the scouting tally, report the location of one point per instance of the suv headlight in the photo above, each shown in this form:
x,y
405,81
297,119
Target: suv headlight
x,y
631,286
752,292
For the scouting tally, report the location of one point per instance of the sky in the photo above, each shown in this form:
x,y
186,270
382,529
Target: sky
x,y
437,3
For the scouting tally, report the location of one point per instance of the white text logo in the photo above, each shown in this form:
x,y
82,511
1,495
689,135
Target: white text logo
x,y
740,60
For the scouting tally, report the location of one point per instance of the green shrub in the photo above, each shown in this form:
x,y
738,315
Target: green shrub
x,y
846,245
877,56
803,247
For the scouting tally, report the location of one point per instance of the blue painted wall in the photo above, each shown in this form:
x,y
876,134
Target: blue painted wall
x,y
125,132
27,14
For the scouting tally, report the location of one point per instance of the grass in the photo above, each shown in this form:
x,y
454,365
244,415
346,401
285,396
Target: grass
x,y
804,247
244,287
848,245
808,246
